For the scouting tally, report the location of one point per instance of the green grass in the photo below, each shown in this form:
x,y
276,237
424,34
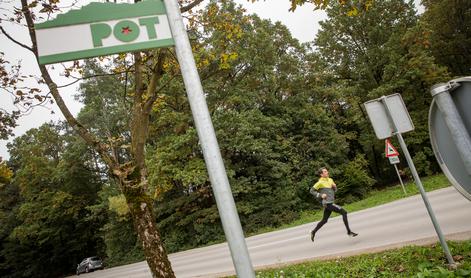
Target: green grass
x,y
410,261
374,198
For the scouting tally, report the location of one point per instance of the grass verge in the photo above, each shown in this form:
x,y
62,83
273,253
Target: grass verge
x,y
410,261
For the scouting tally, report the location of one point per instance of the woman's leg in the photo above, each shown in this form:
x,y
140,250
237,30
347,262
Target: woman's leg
x,y
321,223
343,212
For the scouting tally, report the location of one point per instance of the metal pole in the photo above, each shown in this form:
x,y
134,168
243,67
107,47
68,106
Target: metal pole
x,y
400,179
212,155
440,93
418,182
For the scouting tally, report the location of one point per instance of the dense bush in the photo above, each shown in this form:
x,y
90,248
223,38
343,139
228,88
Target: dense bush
x,y
354,182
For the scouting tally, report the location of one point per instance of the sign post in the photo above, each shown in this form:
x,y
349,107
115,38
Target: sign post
x,y
212,155
393,155
389,116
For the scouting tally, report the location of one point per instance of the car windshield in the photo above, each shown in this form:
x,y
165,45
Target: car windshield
x,y
94,258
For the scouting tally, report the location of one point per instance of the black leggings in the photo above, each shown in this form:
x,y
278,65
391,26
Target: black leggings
x,y
327,211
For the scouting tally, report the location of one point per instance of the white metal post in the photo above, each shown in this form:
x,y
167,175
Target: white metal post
x,y
400,179
418,182
460,135
212,155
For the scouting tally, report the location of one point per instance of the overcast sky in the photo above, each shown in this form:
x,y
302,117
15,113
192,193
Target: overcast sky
x,y
303,24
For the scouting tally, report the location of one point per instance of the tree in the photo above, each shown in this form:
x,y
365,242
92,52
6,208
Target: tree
x,y
271,127
47,220
450,35
106,101
130,170
7,123
9,200
381,51
353,7
5,173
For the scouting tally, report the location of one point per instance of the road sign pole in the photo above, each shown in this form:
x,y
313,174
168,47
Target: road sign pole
x,y
393,155
400,179
450,131
460,135
418,182
212,155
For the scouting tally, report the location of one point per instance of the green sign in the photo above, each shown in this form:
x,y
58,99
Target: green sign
x,y
101,29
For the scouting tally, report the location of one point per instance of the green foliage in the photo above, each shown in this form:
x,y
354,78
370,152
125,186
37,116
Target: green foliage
x,y
352,8
7,120
272,130
363,59
121,242
354,183
121,245
422,164
5,173
118,205
410,261
106,106
46,232
427,269
449,35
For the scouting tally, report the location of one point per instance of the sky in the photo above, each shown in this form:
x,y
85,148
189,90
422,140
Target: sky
x,y
303,24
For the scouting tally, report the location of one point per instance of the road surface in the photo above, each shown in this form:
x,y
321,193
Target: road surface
x,y
387,226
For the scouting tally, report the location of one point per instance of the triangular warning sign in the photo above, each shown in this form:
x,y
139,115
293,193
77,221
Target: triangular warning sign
x,y
390,150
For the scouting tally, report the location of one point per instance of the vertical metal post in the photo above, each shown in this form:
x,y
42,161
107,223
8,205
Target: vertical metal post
x,y
440,93
418,182
400,179
212,155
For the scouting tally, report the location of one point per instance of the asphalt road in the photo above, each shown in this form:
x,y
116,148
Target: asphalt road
x,y
387,226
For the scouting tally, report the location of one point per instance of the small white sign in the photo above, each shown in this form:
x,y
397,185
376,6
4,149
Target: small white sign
x,y
394,159
381,121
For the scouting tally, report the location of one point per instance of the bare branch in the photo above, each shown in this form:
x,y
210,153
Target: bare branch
x,y
77,79
190,6
15,41
72,5
25,108
44,99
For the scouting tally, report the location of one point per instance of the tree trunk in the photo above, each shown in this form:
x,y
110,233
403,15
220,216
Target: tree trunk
x,y
132,176
141,208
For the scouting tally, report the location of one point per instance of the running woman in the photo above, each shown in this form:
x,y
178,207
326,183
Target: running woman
x,y
324,190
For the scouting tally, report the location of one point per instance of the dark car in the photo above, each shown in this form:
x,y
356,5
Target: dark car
x,y
89,264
